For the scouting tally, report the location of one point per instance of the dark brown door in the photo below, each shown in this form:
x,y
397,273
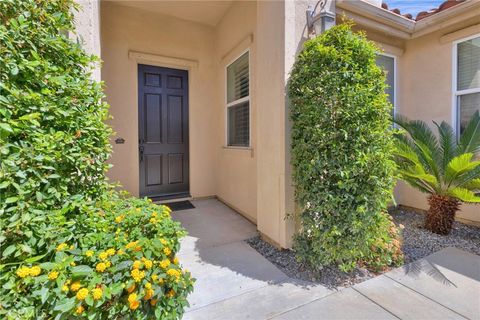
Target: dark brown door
x,y
163,131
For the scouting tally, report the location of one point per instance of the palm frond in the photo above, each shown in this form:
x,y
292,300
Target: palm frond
x,y
447,143
423,137
470,138
459,165
464,195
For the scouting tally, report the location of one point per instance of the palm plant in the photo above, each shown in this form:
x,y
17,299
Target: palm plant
x,y
445,168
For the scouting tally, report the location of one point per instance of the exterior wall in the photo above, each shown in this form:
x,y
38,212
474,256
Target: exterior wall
x,y
87,22
124,29
425,93
236,171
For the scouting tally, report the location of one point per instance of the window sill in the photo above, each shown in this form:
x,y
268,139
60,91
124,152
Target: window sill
x,y
237,148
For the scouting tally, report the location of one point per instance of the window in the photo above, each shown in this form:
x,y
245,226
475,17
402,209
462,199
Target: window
x,y
467,78
238,102
388,64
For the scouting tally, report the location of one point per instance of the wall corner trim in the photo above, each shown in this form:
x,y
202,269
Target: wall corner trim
x,y
459,34
240,46
163,61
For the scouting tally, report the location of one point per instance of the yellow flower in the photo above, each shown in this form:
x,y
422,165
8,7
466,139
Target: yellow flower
x,y
101,267
97,293
148,294
108,264
120,252
137,264
138,248
173,273
103,255
89,253
161,281
134,305
65,288
170,293
34,271
72,247
132,297
23,272
73,264
154,215
153,220
131,288
111,252
82,294
62,246
148,264
138,209
153,302
154,277
175,260
75,286
165,263
131,245
148,285
119,218
164,242
53,275
167,251
137,275
79,309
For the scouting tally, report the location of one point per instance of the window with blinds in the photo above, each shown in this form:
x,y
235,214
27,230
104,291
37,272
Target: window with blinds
x,y
238,102
388,64
467,91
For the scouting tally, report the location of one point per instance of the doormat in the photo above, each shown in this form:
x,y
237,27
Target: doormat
x,y
179,205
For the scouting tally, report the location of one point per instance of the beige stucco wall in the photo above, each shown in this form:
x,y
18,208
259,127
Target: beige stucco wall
x,y
124,29
236,171
425,93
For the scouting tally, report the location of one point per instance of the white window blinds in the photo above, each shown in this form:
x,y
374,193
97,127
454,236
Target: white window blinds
x,y
238,102
468,81
468,65
237,79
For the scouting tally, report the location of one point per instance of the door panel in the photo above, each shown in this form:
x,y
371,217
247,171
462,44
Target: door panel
x,y
163,131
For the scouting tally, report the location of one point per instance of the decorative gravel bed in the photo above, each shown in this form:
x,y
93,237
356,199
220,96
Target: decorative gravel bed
x,y
417,243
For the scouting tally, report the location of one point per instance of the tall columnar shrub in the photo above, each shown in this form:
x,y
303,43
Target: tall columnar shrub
x,y
70,245
342,153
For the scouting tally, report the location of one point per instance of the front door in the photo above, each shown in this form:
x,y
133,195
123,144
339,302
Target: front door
x,y
163,132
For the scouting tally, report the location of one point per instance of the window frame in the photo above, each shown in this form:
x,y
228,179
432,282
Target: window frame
x,y
238,101
457,93
395,79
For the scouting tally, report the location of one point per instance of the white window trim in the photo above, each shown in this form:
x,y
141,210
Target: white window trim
x,y
395,79
456,93
238,101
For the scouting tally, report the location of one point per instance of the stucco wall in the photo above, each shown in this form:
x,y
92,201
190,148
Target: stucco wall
x,y
124,29
237,168
425,93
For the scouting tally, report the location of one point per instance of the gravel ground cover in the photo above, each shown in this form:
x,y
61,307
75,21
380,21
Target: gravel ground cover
x,y
417,243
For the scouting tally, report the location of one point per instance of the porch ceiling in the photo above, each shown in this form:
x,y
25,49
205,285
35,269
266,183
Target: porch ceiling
x,y
205,12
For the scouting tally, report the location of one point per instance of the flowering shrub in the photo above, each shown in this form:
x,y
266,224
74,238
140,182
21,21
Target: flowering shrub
x,y
71,247
117,260
342,146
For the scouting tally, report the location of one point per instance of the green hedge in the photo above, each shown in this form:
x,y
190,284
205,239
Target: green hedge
x,y
66,236
342,153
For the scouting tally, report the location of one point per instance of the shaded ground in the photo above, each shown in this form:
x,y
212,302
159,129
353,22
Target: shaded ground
x,y
417,243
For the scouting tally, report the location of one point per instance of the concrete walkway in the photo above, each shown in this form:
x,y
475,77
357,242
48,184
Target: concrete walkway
x,y
236,282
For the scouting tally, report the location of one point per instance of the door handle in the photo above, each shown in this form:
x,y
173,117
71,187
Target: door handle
x,y
141,149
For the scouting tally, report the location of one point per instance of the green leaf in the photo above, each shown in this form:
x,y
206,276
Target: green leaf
x,y
44,294
11,200
9,250
65,305
82,270
4,184
464,195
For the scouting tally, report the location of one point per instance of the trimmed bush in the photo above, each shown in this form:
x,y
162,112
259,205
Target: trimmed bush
x,y
342,153
71,245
